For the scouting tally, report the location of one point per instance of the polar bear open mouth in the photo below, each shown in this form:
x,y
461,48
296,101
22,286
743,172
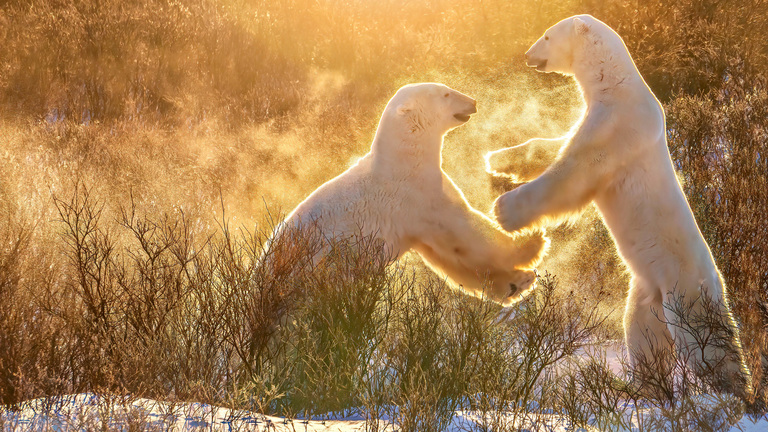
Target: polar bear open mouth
x,y
464,115
538,64
461,117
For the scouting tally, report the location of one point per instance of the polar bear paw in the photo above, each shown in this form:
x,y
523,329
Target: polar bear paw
x,y
500,164
512,289
525,281
510,212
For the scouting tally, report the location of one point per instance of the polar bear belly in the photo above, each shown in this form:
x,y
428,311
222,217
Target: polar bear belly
x,y
653,227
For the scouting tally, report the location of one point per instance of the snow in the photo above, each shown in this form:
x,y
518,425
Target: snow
x,y
86,411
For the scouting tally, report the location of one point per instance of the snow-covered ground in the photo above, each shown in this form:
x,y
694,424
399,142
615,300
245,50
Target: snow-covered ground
x,y
86,412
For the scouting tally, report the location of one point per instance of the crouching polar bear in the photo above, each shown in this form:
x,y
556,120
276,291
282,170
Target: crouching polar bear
x,y
617,157
399,194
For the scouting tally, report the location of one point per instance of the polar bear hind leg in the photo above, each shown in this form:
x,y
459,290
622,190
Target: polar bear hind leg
x,y
705,334
649,343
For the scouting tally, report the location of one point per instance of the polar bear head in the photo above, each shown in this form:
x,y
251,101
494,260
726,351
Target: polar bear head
x,y
427,109
580,39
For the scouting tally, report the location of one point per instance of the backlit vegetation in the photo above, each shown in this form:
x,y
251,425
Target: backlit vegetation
x,y
147,148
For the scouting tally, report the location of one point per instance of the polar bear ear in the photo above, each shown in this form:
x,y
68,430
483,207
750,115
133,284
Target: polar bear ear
x,y
580,26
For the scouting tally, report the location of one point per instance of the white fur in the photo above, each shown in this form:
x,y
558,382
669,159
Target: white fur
x,y
399,194
617,157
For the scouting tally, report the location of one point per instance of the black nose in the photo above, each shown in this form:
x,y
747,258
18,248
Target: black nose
x,y
512,289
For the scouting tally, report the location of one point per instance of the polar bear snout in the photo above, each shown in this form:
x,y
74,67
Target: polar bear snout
x,y
533,61
463,115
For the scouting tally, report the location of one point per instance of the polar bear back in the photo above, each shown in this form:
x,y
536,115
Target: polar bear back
x,y
351,204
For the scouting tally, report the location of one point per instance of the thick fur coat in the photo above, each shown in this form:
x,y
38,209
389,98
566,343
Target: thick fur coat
x,y
617,158
399,194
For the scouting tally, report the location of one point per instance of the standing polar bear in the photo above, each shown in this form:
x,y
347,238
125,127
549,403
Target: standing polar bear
x,y
399,194
617,157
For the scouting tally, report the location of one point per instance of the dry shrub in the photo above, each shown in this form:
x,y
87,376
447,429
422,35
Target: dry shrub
x,y
664,392
333,331
12,316
161,308
164,309
695,395
516,378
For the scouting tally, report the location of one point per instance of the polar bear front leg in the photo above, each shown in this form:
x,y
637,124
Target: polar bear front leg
x,y
561,192
524,162
471,250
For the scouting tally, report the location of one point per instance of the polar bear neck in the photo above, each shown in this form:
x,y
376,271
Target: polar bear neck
x,y
400,152
605,70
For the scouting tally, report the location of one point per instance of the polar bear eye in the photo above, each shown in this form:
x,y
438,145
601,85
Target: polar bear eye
x,y
447,94
546,37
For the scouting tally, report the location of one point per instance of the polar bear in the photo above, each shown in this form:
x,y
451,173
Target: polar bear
x,y
524,162
399,194
617,158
